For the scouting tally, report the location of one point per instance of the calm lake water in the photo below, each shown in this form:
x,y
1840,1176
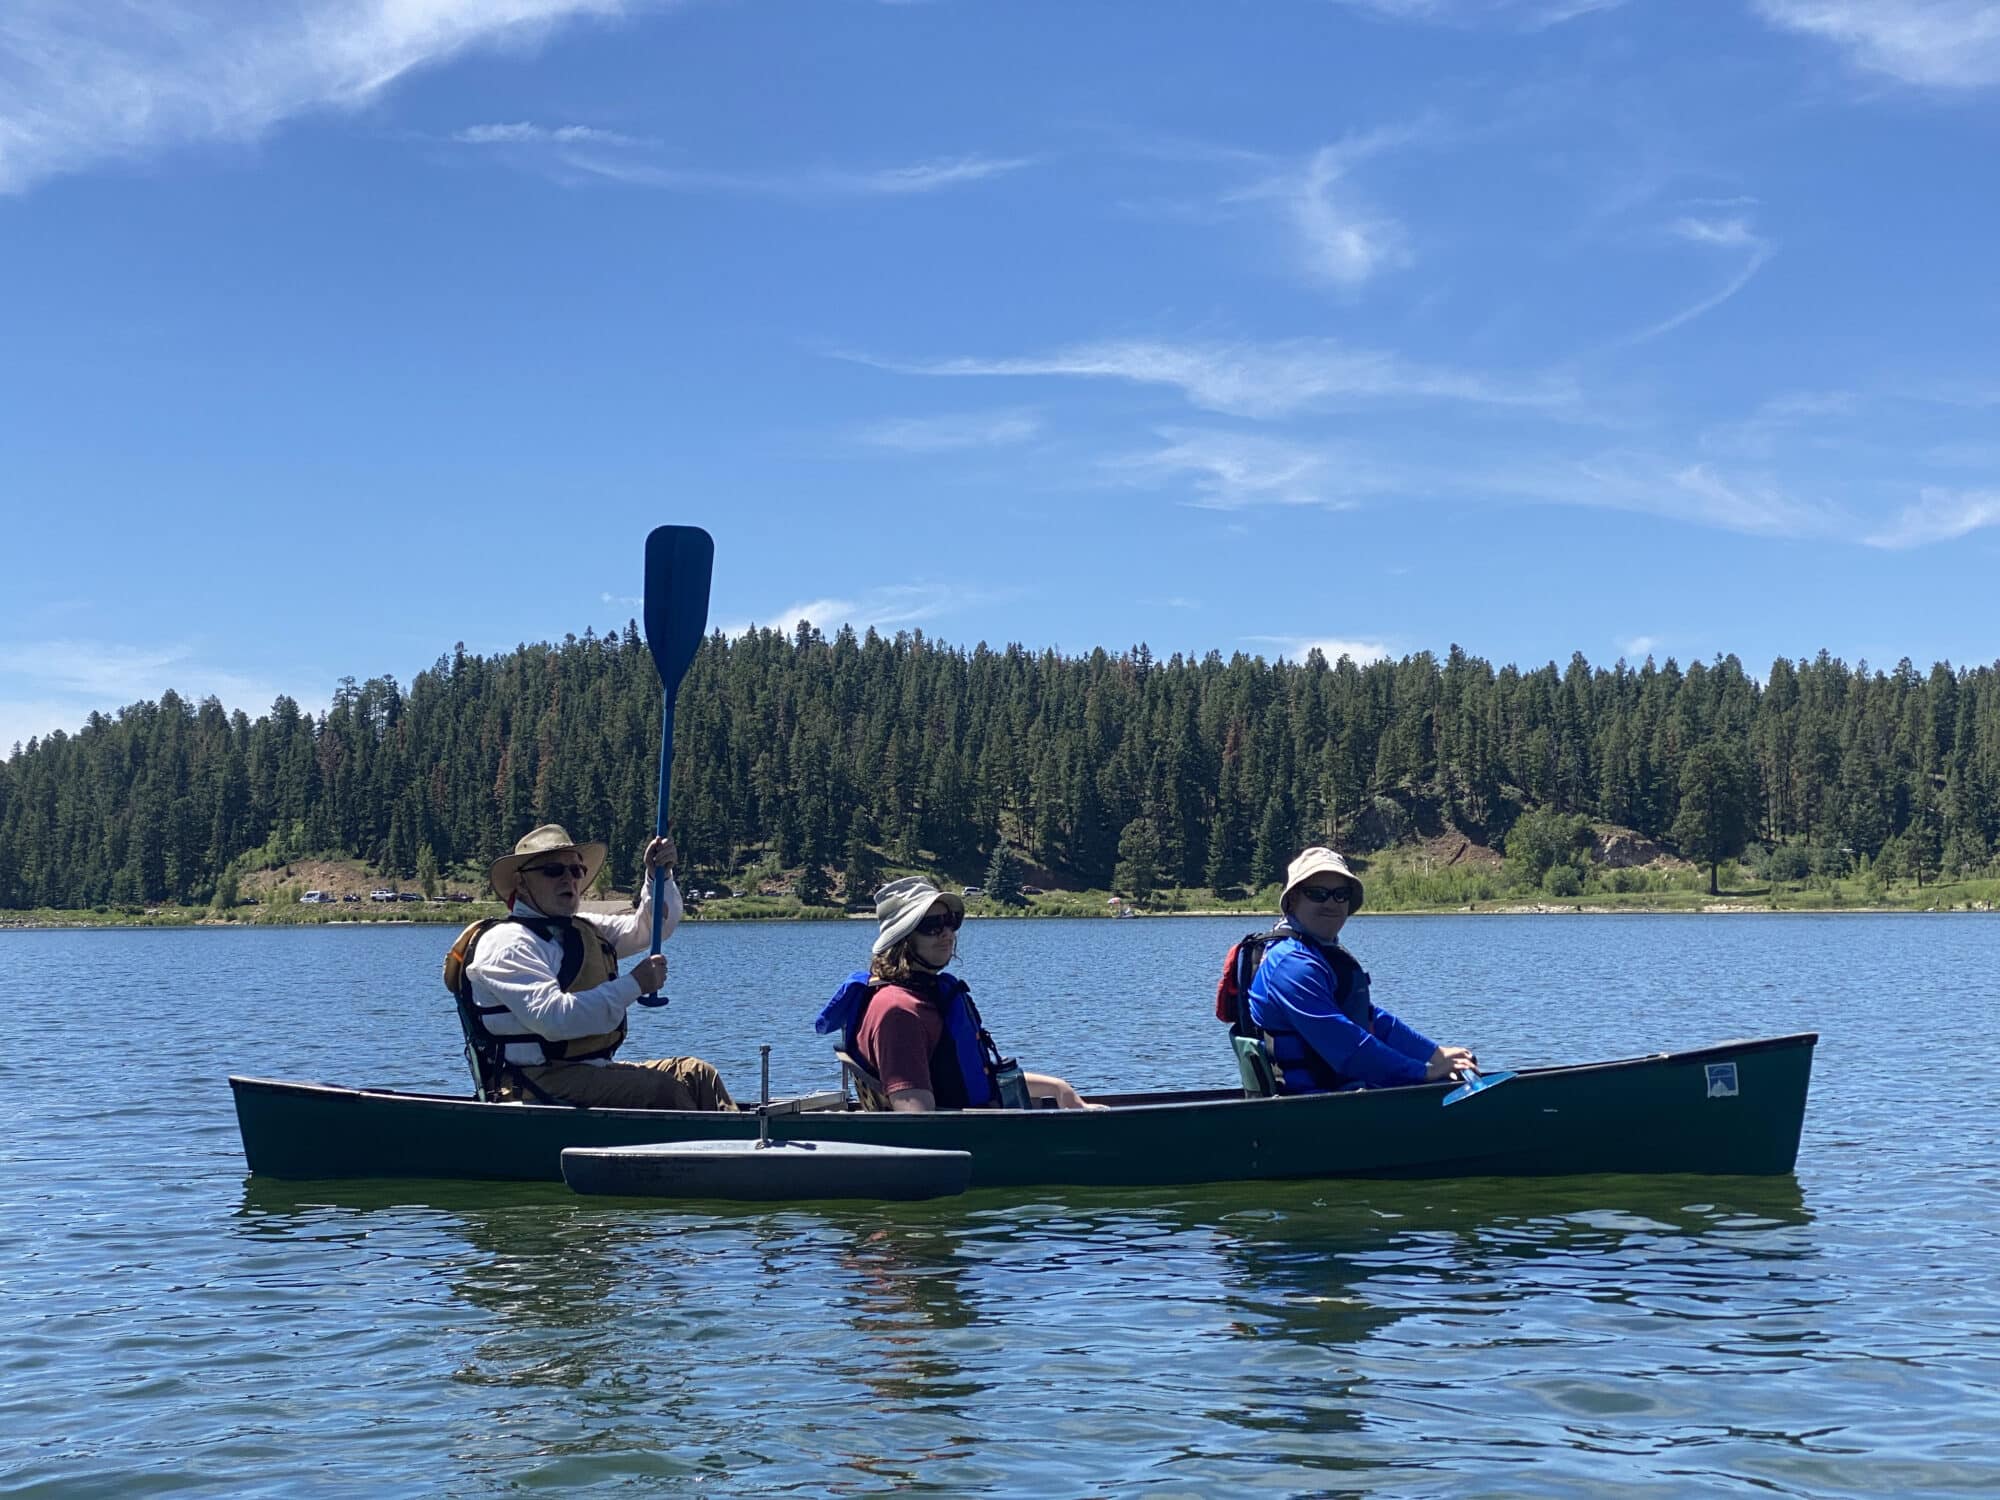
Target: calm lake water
x,y
180,1327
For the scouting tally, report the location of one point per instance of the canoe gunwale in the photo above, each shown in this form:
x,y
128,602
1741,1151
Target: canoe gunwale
x,y
1124,1104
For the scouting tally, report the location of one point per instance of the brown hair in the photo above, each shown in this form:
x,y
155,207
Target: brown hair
x,y
896,963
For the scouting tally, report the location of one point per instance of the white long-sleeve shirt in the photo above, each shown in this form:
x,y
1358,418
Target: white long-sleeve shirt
x,y
516,968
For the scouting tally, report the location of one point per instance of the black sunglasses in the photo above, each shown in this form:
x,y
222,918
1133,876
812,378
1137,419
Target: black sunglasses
x,y
1319,893
935,923
556,872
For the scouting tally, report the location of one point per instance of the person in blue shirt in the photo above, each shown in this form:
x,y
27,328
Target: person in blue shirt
x,y
1310,996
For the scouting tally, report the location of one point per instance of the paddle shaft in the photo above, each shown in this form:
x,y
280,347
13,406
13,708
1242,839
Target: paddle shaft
x,y
660,824
679,562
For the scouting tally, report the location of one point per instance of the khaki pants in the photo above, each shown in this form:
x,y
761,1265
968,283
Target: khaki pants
x,y
662,1083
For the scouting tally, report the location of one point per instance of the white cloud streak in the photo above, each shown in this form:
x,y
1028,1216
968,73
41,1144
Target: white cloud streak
x,y
1939,516
1725,234
953,433
1938,44
1524,15
889,605
57,684
1232,470
523,133
885,182
1252,380
1298,647
86,81
1697,494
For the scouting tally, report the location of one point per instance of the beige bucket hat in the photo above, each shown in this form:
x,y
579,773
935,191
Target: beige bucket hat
x,y
901,904
1320,861
550,838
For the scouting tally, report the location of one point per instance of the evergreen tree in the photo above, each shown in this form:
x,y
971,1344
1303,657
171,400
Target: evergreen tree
x,y
1713,823
1138,858
1003,876
863,872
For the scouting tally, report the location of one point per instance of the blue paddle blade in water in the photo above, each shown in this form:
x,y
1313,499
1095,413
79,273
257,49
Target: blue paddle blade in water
x,y
1476,1083
679,560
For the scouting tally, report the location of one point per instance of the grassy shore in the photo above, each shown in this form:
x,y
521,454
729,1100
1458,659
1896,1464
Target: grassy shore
x,y
1385,897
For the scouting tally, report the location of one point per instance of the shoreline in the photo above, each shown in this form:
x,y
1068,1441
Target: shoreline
x,y
1722,907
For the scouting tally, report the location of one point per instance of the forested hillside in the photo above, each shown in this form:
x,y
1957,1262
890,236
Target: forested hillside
x,y
833,755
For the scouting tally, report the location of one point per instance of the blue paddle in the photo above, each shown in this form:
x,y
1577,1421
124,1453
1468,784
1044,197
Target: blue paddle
x,y
1475,1083
679,561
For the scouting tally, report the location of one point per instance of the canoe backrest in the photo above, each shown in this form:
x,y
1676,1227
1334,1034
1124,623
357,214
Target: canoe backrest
x,y
1253,1061
472,1054
868,1090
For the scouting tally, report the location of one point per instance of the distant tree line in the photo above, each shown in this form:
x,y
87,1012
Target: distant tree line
x,y
836,756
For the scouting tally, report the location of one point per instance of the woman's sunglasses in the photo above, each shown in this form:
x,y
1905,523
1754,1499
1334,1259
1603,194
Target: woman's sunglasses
x,y
1322,893
938,922
556,872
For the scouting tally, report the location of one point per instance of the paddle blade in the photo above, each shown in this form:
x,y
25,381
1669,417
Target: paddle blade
x,y
679,560
1476,1083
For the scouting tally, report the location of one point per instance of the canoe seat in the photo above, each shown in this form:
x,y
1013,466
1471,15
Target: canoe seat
x,y
1253,1061
868,1090
482,1087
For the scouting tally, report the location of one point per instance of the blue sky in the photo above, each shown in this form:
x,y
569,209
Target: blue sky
x,y
340,331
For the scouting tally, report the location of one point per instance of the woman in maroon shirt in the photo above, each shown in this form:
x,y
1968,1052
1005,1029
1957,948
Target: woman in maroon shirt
x,y
902,1037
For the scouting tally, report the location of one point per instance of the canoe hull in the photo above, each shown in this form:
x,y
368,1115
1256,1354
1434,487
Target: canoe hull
x,y
1736,1108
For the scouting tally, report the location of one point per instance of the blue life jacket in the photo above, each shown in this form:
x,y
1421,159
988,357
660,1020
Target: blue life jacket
x,y
1302,1070
960,1076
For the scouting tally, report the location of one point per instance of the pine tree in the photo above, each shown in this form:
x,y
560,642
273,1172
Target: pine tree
x,y
1713,823
1003,875
1138,869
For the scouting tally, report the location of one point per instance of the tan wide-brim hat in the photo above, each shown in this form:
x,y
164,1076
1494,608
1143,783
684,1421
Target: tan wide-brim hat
x,y
1319,862
550,838
901,904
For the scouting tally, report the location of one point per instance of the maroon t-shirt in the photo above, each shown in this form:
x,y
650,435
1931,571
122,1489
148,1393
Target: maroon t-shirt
x,y
897,1037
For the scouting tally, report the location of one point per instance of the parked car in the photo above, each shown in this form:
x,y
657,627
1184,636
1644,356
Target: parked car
x,y
1032,890
409,895
381,895
974,892
317,898
457,896
351,896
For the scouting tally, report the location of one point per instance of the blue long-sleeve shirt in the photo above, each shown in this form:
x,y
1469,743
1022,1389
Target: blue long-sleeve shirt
x,y
1296,994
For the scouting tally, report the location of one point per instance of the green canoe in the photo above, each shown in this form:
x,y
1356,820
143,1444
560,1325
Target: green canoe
x,y
1733,1108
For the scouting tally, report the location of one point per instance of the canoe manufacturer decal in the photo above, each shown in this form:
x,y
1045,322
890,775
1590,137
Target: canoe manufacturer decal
x,y
1722,1080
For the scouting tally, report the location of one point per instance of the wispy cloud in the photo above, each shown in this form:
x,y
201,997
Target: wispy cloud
x,y
1298,647
882,182
523,133
953,433
1942,44
1698,494
889,605
1724,234
1341,239
1939,516
1778,422
1258,380
1638,647
1232,470
94,80
1525,15
57,684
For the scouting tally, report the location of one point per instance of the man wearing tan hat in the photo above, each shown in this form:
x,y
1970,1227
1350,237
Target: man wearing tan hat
x,y
545,988
1310,996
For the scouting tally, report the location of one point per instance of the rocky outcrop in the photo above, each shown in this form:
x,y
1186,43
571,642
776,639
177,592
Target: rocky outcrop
x,y
1622,849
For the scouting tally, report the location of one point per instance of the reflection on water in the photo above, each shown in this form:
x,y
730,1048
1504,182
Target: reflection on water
x,y
1308,1323
1838,1334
